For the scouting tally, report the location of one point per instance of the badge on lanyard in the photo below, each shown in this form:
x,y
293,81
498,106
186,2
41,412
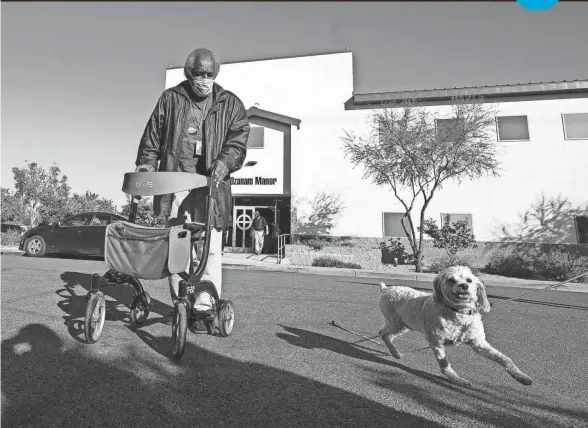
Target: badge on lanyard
x,y
193,137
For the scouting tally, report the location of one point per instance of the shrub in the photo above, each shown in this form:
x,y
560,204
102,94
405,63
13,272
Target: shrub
x,y
11,238
458,259
560,267
395,249
316,244
546,267
333,262
509,263
452,237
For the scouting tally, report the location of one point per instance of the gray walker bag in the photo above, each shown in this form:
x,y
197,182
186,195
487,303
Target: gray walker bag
x,y
151,252
147,252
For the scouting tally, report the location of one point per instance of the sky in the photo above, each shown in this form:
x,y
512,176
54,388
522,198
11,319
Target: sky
x,y
79,80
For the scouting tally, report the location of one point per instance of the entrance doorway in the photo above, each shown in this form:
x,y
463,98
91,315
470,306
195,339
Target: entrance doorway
x,y
242,222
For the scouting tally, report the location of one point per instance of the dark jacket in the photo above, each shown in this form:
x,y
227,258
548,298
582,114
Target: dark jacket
x,y
226,130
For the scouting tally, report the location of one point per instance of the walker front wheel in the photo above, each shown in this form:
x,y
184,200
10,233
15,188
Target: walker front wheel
x,y
140,308
95,315
226,318
179,328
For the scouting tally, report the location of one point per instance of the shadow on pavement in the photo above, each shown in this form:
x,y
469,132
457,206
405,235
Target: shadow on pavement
x,y
74,305
44,384
311,340
67,256
499,405
503,406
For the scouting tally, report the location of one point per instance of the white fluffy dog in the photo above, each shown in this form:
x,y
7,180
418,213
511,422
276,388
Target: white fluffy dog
x,y
450,316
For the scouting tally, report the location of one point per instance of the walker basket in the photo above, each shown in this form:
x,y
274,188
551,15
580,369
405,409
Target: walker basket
x,y
146,252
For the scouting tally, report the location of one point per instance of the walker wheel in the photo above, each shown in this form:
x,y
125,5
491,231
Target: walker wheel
x,y
140,308
179,328
226,318
95,315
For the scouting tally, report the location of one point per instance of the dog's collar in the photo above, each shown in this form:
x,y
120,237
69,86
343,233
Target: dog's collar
x,y
443,301
462,311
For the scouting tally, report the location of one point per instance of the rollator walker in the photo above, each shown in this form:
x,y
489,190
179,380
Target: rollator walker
x,y
133,252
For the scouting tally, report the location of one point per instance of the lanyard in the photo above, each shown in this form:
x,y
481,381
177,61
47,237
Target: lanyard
x,y
192,130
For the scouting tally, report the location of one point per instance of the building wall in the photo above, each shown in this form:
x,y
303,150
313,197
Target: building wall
x,y
315,88
547,163
269,167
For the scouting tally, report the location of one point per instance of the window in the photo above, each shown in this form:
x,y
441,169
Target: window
x,y
575,126
78,220
100,220
392,225
582,229
447,129
457,217
255,140
512,128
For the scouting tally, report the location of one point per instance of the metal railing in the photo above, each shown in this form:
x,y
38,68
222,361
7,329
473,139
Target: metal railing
x,y
282,246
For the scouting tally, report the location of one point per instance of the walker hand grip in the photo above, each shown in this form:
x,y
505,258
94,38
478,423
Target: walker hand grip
x,y
161,183
194,226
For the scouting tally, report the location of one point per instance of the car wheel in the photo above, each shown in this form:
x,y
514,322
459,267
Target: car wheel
x,y
35,246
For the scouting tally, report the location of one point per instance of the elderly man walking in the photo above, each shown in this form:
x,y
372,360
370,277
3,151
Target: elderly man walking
x,y
259,229
197,127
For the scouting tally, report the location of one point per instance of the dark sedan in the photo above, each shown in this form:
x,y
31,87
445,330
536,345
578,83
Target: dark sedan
x,y
80,234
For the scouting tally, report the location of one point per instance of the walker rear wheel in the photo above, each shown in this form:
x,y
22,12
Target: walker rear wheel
x,y
140,308
226,318
179,328
95,315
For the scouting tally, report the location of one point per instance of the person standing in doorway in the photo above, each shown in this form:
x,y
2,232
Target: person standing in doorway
x,y
259,229
201,128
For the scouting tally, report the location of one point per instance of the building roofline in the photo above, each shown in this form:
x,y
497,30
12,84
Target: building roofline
x,y
271,58
573,88
280,118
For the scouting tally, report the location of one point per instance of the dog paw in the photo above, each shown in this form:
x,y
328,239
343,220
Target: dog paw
x,y
460,382
395,354
523,378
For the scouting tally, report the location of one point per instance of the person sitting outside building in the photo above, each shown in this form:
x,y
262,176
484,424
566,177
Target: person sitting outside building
x,y
259,229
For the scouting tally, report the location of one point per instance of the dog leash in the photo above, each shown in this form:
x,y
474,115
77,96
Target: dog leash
x,y
538,291
334,324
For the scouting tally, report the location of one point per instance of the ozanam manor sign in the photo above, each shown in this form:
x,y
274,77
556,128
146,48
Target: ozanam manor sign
x,y
257,181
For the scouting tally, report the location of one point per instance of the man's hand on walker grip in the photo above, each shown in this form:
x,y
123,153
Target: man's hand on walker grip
x,y
219,172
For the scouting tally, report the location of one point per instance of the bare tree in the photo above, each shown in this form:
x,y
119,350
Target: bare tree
x,y
316,215
408,150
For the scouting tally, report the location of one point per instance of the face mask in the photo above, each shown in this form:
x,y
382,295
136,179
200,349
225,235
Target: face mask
x,y
202,87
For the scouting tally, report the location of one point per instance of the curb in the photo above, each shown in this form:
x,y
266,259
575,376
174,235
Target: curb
x,y
10,250
416,277
425,278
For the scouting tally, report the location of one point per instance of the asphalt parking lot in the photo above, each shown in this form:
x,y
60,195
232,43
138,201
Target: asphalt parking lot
x,y
284,365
